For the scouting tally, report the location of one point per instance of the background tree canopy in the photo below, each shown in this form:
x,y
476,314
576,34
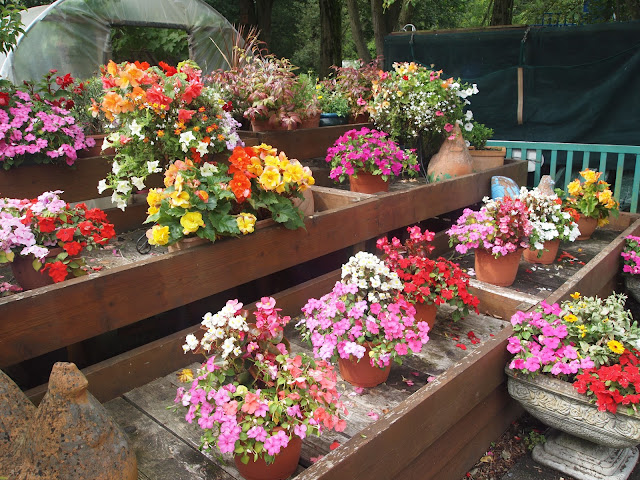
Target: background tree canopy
x,y
356,28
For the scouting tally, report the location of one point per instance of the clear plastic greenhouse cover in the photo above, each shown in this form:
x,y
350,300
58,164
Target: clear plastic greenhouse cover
x,y
73,36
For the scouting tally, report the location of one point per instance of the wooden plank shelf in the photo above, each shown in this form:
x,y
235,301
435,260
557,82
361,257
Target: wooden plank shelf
x,y
434,429
124,295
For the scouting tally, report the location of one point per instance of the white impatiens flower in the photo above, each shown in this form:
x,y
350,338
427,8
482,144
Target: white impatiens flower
x,y
102,186
152,167
138,182
185,140
207,169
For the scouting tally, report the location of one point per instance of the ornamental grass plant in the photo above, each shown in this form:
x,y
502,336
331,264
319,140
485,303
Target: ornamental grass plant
x,y
588,341
32,228
252,395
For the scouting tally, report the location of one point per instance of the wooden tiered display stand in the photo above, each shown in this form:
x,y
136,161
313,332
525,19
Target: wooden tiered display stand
x,y
438,412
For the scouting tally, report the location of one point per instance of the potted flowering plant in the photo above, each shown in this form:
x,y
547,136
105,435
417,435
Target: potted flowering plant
x,y
427,282
593,344
333,104
550,225
355,83
631,266
413,101
364,322
590,202
211,200
46,236
36,122
162,114
252,397
370,155
498,232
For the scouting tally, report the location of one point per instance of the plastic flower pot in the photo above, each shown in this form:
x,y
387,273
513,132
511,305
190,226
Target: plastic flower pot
x,y
332,119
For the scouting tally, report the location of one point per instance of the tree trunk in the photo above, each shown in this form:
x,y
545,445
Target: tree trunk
x,y
356,31
263,15
330,35
404,17
502,12
247,15
378,22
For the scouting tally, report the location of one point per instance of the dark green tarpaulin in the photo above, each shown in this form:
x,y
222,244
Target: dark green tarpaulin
x,y
580,84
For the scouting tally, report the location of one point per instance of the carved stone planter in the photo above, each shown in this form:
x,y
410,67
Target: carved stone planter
x,y
589,444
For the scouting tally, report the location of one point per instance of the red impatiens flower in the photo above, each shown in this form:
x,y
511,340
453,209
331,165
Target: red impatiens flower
x,y
65,234
46,224
73,248
56,270
86,227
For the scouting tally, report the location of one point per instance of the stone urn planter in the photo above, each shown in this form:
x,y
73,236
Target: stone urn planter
x,y
586,443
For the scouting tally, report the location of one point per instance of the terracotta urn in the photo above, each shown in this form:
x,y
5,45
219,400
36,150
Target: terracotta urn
x,y
452,160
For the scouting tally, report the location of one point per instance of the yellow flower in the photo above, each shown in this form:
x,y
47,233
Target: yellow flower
x,y
191,221
615,346
152,210
590,176
154,197
185,375
159,235
179,199
570,317
574,188
270,178
271,161
583,330
178,183
604,196
246,222
399,93
575,295
412,67
255,167
293,173
266,149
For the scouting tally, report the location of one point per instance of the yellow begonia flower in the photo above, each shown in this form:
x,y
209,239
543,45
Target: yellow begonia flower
x,y
293,173
270,178
191,221
604,196
154,197
246,222
179,199
590,176
271,161
255,167
159,235
615,346
178,183
152,210
570,317
266,149
574,188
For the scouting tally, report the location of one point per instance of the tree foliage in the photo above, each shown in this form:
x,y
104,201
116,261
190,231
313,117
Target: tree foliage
x,y
10,25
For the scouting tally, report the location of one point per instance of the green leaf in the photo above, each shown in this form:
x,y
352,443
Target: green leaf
x,y
37,264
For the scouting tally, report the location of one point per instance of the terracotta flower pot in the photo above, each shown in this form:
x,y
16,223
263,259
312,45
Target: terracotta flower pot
x,y
368,183
426,312
96,150
548,255
492,157
26,276
283,467
311,122
587,226
265,126
360,373
499,271
360,118
188,242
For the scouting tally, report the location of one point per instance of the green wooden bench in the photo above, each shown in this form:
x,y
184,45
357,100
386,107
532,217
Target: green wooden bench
x,y
563,161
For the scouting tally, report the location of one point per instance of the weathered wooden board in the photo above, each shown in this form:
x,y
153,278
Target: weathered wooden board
x,y
171,280
161,455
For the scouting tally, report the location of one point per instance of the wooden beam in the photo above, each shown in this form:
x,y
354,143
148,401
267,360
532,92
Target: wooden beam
x,y
452,395
119,374
59,315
